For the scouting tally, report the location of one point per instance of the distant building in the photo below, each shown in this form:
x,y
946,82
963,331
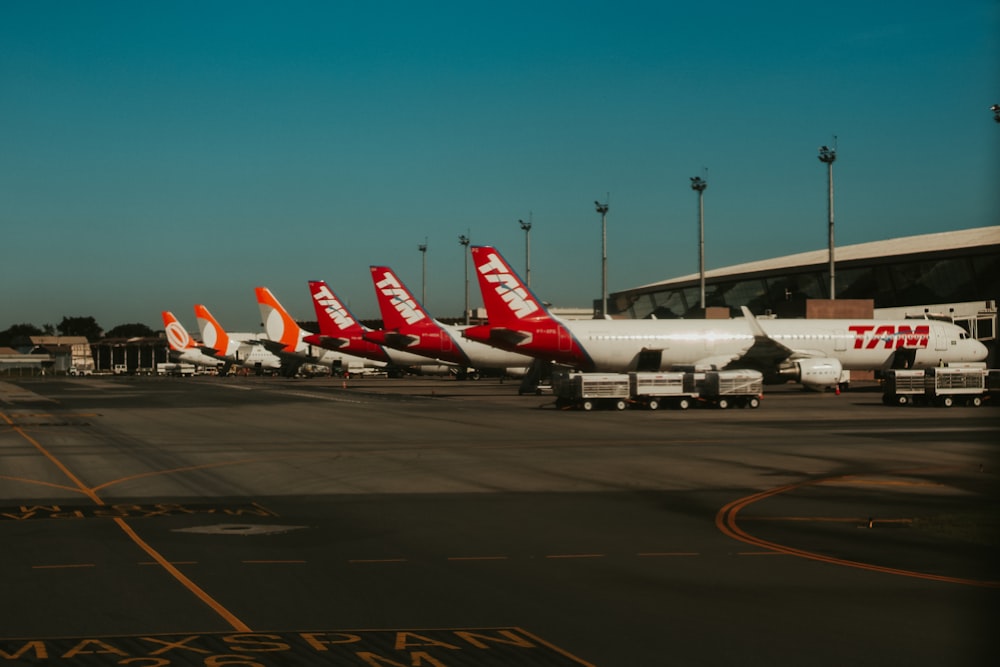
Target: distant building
x,y
951,275
66,352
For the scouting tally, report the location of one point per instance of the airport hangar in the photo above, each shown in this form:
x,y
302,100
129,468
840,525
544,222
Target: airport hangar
x,y
949,275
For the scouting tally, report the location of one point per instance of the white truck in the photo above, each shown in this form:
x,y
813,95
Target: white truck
x,y
652,390
177,369
944,386
739,388
722,389
590,390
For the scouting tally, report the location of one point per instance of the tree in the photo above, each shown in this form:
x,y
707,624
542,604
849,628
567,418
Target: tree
x,y
136,330
80,326
18,331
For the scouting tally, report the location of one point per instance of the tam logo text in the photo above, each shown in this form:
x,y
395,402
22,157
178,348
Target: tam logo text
x,y
508,287
400,298
333,307
891,337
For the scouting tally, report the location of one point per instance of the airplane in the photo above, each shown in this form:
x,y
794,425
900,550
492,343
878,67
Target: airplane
x,y
287,340
182,348
340,330
407,326
811,352
216,342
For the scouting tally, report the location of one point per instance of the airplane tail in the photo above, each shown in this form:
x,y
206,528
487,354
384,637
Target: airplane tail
x,y
334,319
509,303
177,336
398,306
278,324
212,333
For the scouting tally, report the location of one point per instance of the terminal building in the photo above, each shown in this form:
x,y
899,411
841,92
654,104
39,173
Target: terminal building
x,y
948,275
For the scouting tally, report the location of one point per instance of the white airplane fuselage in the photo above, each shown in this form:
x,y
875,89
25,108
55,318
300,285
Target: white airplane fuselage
x,y
615,345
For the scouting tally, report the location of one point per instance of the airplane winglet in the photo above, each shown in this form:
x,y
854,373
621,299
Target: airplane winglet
x,y
755,327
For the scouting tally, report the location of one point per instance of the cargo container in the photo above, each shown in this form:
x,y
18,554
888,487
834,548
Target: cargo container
x,y
943,386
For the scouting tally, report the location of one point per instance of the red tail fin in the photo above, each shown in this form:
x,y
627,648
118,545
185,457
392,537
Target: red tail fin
x,y
509,303
398,306
333,316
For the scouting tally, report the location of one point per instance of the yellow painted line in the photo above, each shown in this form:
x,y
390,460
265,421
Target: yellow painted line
x,y
759,553
666,554
460,558
56,462
726,522
173,562
62,567
824,519
273,562
196,590
564,556
377,560
61,487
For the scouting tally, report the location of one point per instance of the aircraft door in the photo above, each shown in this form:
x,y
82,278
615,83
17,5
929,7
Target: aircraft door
x,y
940,339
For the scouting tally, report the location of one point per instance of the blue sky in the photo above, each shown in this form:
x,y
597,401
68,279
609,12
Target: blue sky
x,y
154,155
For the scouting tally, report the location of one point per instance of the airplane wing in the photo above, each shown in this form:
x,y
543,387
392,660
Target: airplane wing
x,y
764,354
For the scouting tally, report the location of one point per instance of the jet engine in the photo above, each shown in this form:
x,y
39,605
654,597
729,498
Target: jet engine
x,y
815,374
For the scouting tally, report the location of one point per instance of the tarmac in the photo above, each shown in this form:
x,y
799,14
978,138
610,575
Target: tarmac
x,y
428,521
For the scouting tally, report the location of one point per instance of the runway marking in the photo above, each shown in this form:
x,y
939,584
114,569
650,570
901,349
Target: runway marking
x,y
63,567
274,562
127,511
667,554
173,562
434,647
564,556
867,521
726,522
364,561
475,558
196,590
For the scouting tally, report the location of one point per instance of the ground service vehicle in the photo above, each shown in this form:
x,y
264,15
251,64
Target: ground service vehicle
x,y
180,369
944,386
739,388
589,390
742,388
652,390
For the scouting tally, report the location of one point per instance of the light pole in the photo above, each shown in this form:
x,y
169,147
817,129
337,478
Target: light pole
x,y
423,287
698,184
603,210
828,155
526,226
463,239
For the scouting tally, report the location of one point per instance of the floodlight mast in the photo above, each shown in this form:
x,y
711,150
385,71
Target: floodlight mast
x,y
423,287
526,226
698,184
828,156
603,210
463,239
